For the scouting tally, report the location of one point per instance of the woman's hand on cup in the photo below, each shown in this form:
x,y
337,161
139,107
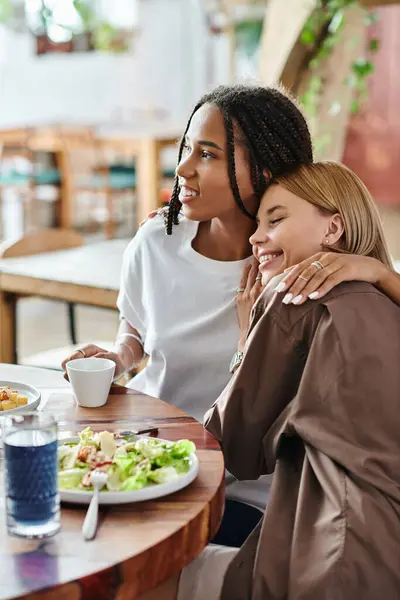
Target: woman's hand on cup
x,y
249,289
319,274
91,350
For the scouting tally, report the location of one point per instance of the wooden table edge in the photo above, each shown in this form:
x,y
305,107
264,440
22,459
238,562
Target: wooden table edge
x,y
58,290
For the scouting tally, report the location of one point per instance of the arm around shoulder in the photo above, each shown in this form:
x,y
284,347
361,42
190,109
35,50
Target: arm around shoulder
x,y
389,284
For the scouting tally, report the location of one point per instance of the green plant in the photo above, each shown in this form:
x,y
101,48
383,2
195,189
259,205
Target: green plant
x,y
109,39
87,13
320,34
5,10
103,35
248,35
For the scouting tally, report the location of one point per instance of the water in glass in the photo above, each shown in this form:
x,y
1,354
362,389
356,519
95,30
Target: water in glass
x,y
30,457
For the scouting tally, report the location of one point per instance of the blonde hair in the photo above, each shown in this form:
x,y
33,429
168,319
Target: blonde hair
x,y
336,189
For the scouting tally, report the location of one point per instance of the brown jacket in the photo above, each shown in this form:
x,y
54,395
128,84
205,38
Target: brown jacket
x,y
317,400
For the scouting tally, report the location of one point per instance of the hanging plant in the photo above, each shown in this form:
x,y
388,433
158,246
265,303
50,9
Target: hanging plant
x,y
90,32
321,33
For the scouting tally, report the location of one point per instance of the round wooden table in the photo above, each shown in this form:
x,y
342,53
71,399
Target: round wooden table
x,y
137,546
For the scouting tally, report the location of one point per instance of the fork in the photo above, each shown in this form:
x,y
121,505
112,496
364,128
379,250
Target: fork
x,y
135,432
98,479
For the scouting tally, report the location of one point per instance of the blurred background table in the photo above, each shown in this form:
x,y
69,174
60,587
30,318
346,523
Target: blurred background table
x,y
88,274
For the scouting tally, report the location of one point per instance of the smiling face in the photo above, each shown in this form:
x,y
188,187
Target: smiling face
x,y
290,230
203,170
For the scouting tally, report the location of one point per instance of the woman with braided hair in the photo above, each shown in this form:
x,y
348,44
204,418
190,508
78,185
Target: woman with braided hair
x,y
267,123
179,291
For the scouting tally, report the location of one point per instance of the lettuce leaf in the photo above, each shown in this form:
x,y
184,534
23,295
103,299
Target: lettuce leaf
x,y
149,447
67,456
163,475
71,478
135,482
182,449
87,438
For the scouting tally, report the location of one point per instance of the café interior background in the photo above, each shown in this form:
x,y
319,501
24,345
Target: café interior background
x,y
140,65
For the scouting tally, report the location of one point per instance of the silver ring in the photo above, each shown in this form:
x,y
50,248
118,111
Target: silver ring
x,y
317,264
301,277
82,351
259,277
238,290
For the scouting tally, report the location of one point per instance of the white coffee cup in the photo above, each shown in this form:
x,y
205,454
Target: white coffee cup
x,y
91,379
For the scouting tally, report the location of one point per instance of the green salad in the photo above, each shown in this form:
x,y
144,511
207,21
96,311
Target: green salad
x,y
129,465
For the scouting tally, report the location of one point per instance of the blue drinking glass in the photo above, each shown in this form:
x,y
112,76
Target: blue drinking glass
x,y
31,466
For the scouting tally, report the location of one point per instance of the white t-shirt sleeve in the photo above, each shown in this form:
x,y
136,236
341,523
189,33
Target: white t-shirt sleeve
x,y
130,297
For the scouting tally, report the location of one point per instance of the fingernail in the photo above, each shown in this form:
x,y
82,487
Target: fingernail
x,y
298,299
313,295
287,298
280,287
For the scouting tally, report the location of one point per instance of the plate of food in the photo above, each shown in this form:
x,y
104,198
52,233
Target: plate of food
x,y
138,467
17,397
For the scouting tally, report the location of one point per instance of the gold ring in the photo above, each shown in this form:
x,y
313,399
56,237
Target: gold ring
x,y
301,277
82,351
258,278
317,264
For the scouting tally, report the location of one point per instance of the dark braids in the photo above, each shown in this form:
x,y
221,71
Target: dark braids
x,y
231,163
270,125
171,216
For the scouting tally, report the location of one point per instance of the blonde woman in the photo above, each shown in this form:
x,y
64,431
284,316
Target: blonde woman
x,y
315,400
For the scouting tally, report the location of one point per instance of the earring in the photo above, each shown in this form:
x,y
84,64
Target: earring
x,y
326,241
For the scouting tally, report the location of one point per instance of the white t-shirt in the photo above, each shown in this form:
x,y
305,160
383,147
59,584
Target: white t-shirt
x,y
184,307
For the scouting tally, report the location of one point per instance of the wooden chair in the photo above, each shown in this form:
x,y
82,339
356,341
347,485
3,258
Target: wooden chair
x,y
48,240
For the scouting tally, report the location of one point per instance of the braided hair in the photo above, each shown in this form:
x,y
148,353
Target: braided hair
x,y
271,126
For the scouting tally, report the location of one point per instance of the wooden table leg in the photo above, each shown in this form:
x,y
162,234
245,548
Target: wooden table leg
x,y
8,349
66,212
148,178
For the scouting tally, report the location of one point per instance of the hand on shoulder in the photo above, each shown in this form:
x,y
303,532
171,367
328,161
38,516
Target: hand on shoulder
x,y
317,275
159,211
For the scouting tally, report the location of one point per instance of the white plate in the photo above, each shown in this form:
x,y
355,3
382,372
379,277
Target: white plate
x,y
27,390
148,493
